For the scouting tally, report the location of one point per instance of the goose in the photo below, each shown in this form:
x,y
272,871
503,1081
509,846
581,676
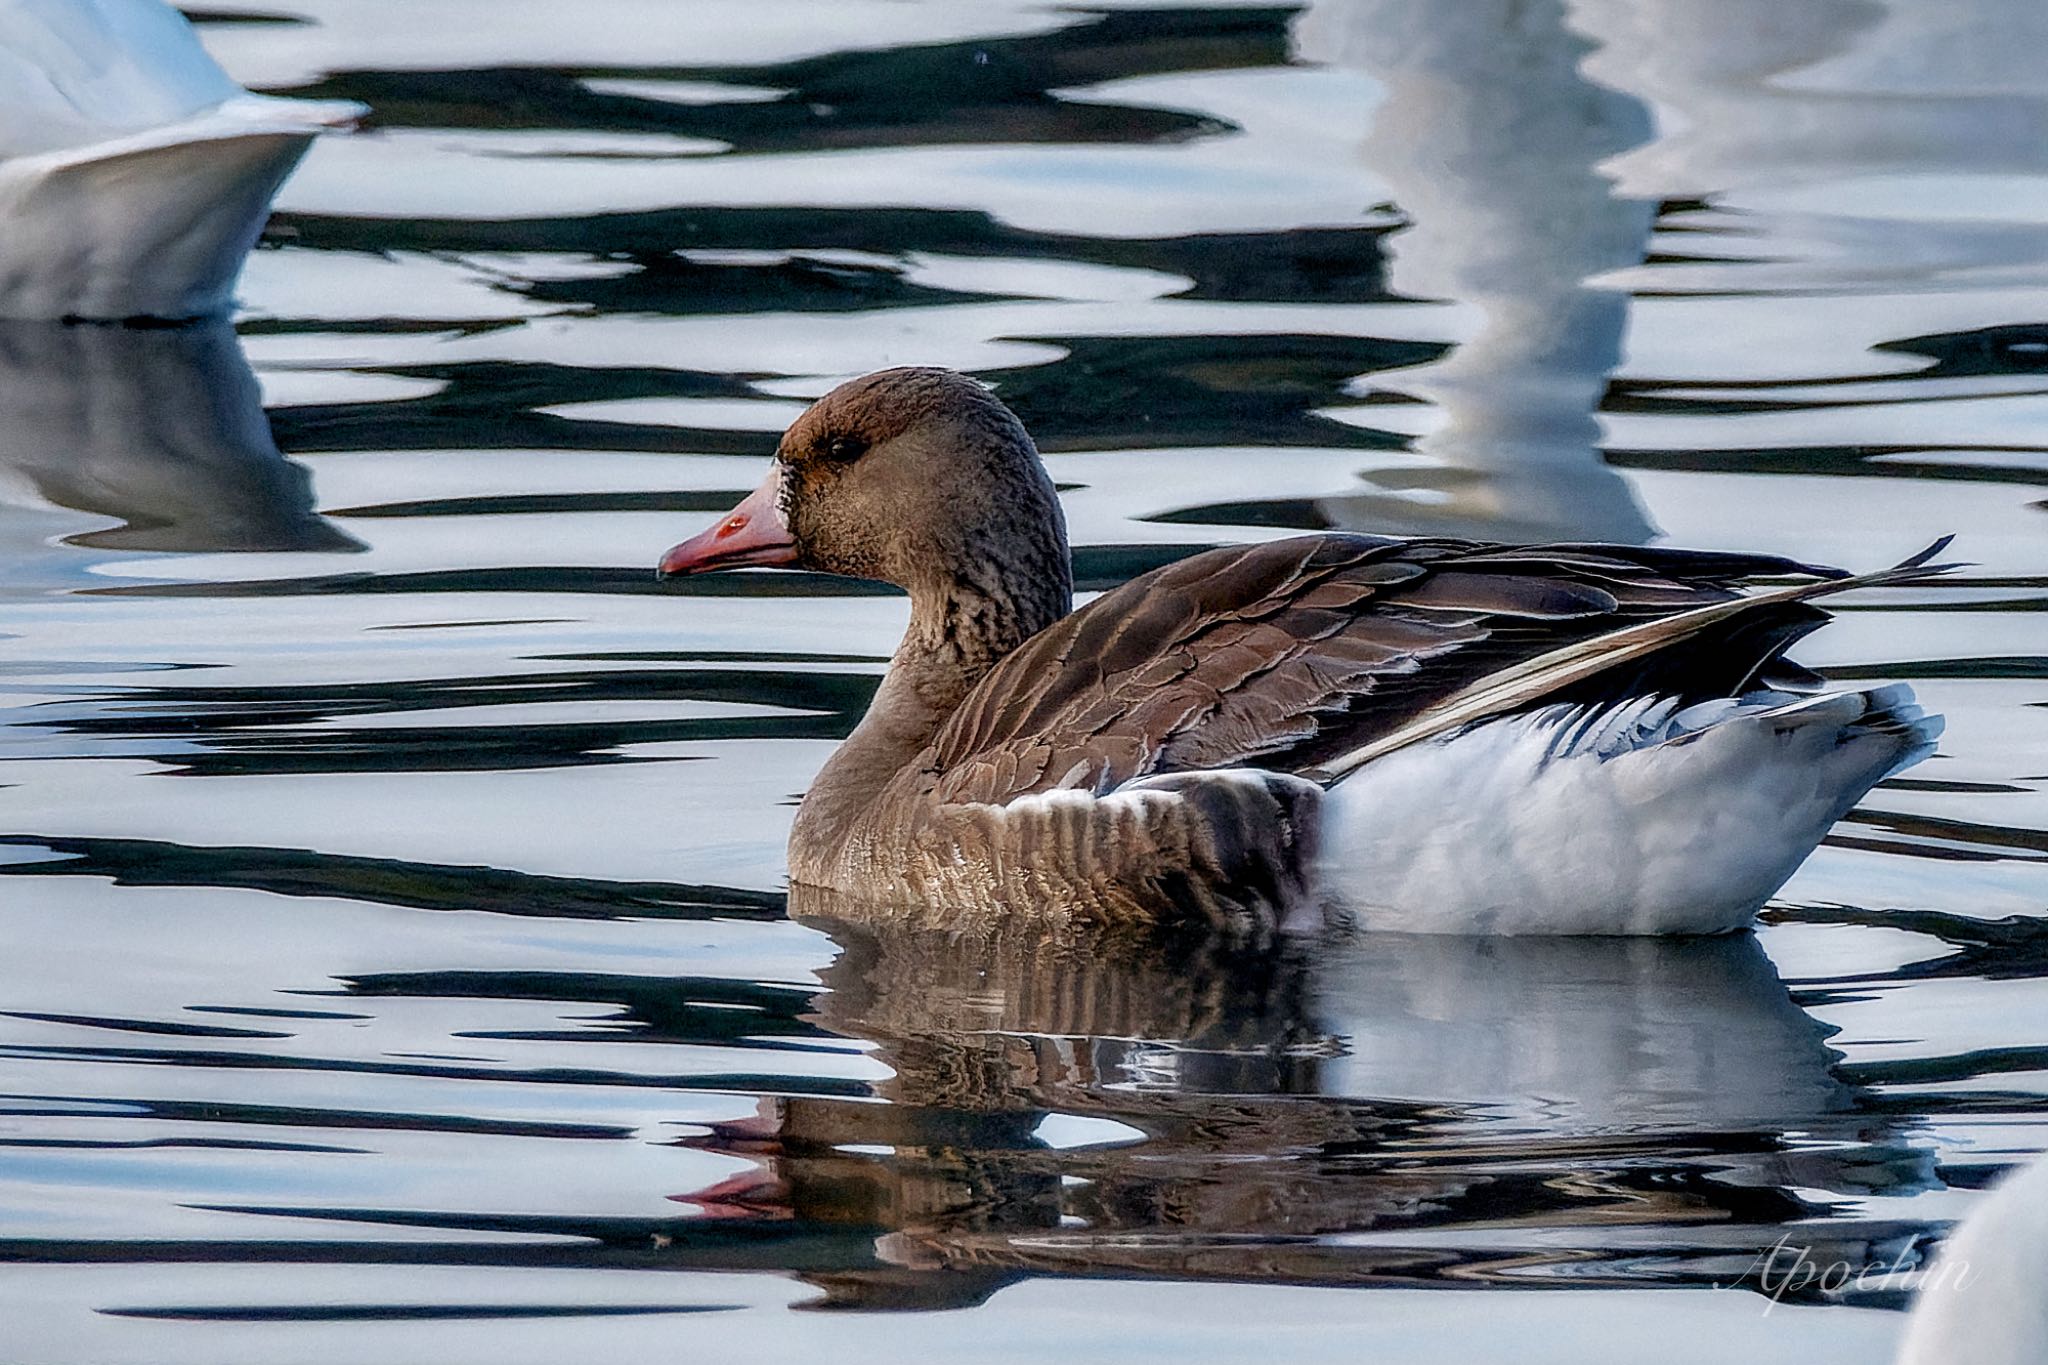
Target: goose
x,y
134,174
1427,735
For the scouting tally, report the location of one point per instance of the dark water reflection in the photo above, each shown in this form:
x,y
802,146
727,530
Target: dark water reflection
x,y
399,961
991,89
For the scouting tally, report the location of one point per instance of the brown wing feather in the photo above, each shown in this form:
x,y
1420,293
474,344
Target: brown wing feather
x,y
1295,651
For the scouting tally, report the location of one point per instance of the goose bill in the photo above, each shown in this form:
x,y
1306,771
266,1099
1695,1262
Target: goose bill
x,y
752,533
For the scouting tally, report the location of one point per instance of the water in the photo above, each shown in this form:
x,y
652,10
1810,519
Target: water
x,y
399,966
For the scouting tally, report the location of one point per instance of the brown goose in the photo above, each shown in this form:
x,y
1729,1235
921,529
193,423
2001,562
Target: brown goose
x,y
1430,735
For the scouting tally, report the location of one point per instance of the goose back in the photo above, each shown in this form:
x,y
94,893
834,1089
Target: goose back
x,y
1291,652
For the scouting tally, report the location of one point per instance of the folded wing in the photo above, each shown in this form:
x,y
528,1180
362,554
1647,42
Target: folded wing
x,y
1297,655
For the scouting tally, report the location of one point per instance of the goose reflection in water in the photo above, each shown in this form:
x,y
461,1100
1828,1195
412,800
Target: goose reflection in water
x,y
1391,1109
160,428
1492,91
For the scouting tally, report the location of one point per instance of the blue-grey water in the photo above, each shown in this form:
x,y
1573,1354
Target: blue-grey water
x,y
397,960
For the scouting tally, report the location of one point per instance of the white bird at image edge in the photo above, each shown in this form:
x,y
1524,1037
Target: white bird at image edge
x,y
1984,1302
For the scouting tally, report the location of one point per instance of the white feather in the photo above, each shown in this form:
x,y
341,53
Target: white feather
x,y
1630,819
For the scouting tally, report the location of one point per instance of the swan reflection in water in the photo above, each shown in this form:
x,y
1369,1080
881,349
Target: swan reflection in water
x,y
1827,89
159,428
1491,91
1532,147
1387,1109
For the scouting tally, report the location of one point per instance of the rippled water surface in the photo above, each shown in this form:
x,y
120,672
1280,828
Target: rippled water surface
x,y
398,966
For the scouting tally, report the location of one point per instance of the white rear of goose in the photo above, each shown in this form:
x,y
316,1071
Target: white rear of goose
x,y
1637,818
134,174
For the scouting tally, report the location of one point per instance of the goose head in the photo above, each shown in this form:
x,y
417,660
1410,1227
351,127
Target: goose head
x,y
916,477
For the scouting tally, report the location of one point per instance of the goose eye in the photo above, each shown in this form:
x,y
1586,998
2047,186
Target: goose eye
x,y
846,448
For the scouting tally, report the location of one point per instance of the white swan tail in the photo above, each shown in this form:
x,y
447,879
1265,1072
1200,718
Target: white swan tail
x,y
134,174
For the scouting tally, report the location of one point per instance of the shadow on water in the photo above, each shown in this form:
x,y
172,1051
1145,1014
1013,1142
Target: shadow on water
x,y
1300,265
1136,392
302,872
1097,568
238,731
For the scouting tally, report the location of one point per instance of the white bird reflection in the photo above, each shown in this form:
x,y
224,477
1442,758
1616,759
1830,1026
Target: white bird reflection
x,y
1751,89
1576,1036
161,429
1865,97
1489,137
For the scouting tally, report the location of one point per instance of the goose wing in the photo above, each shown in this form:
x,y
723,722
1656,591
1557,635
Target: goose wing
x,y
1314,653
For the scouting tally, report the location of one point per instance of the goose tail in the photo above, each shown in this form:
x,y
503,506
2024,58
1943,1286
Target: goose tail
x,y
1532,681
